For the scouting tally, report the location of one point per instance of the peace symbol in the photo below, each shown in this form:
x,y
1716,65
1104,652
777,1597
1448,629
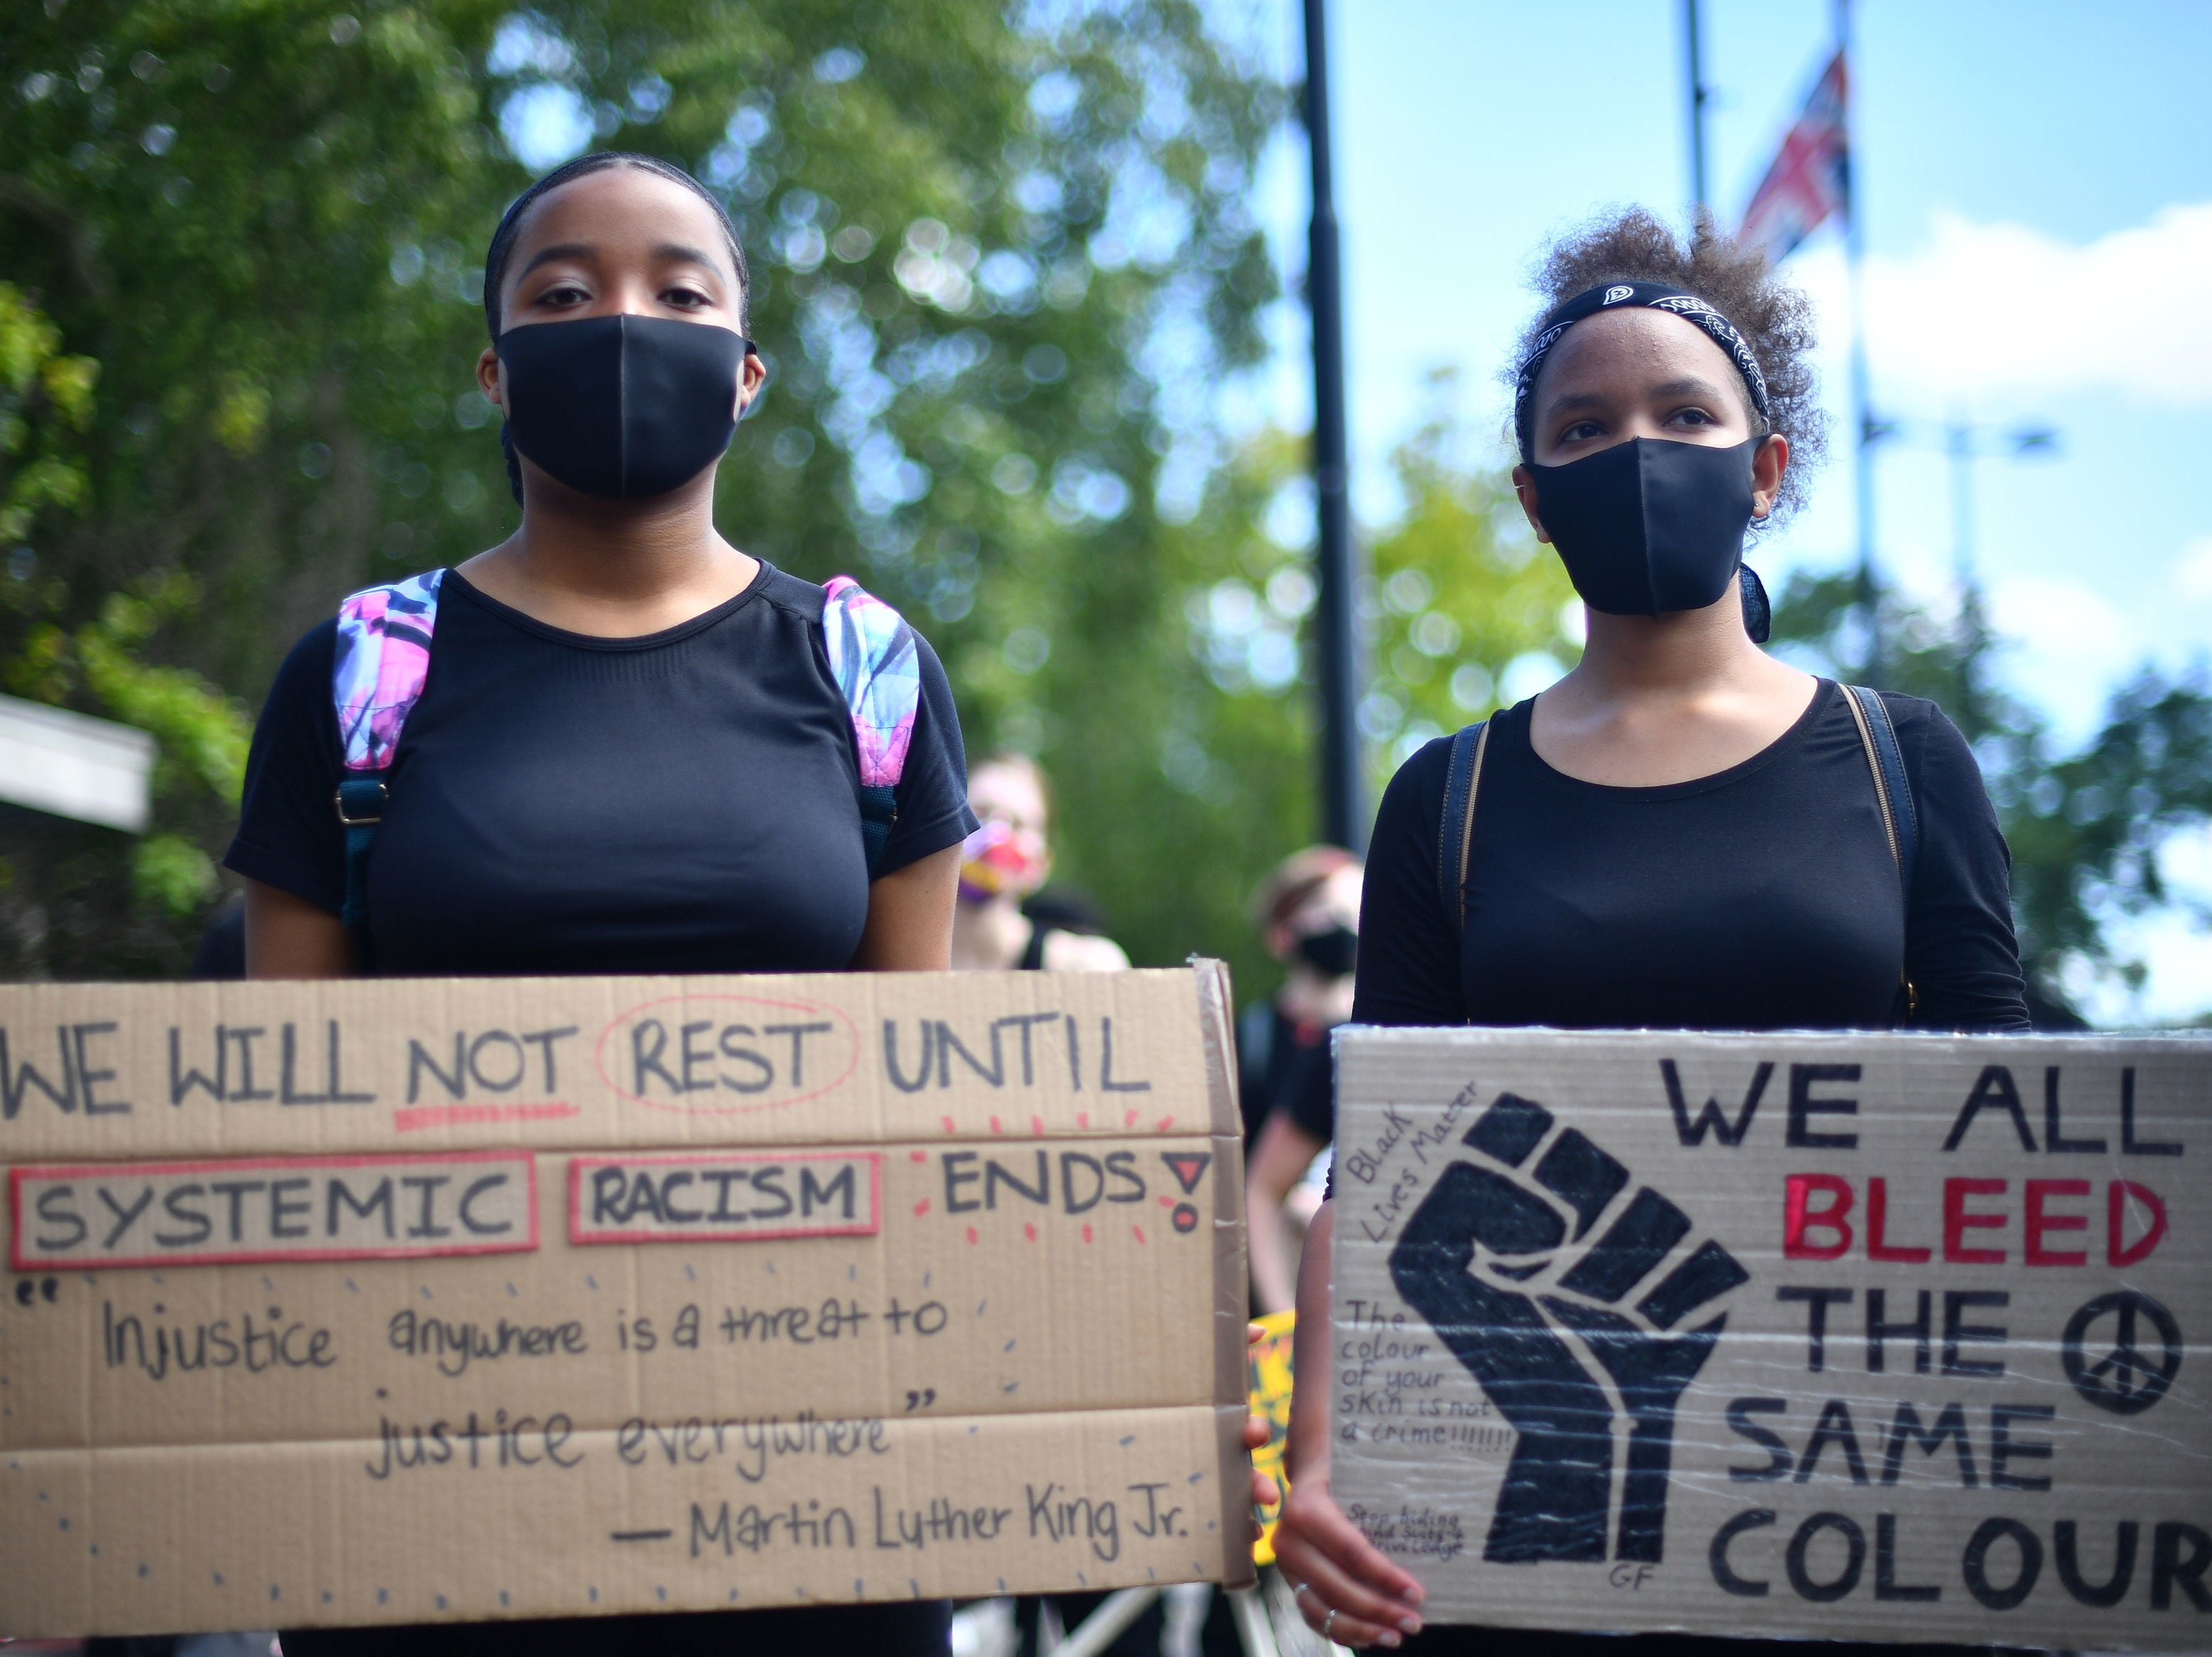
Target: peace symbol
x,y
2126,1380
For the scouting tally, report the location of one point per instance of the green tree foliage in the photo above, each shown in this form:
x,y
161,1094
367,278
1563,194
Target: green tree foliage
x,y
1462,598
1465,591
45,403
2087,828
47,406
999,261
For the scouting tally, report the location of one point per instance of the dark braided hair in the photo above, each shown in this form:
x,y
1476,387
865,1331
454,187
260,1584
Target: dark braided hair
x,y
1775,319
510,226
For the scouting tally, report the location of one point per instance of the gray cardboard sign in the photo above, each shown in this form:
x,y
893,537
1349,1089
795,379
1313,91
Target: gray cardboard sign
x,y
1826,1335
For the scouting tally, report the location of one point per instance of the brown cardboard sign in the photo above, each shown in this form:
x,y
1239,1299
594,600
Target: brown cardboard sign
x,y
392,1302
1832,1336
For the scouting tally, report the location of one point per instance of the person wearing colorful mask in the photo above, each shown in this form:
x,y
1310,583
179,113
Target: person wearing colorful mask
x,y
1683,833
614,743
1308,913
1003,864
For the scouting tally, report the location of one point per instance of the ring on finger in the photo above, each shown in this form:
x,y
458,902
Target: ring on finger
x,y
1298,1589
1327,1622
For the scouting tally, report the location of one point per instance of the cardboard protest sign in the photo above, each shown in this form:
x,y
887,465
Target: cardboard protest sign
x,y
1848,1336
393,1302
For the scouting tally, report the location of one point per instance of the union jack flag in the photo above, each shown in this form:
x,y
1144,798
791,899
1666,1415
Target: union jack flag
x,y
1811,178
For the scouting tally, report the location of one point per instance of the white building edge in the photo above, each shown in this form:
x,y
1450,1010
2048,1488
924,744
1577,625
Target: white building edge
x,y
73,765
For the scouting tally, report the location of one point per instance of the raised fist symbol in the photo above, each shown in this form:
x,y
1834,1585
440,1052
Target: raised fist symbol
x,y
1538,1319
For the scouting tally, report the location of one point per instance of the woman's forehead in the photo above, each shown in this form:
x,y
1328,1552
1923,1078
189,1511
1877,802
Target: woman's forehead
x,y
1012,788
619,208
1633,342
1339,891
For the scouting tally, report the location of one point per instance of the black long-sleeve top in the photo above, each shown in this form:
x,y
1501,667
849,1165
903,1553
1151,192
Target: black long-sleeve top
x,y
1764,897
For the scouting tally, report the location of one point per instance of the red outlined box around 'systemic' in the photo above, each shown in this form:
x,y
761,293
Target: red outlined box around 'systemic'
x,y
239,1211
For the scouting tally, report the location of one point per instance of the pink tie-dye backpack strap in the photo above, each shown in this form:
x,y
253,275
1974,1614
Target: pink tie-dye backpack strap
x,y
382,662
877,665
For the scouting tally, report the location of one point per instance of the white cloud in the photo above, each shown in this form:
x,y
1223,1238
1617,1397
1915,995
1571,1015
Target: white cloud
x,y
2001,309
2170,943
2054,616
2064,642
2192,570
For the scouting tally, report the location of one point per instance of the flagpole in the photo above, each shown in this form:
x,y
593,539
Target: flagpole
x,y
1862,422
1698,96
1344,822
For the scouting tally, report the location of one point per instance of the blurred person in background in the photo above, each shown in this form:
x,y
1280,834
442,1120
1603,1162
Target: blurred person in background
x,y
1685,832
1004,922
1307,912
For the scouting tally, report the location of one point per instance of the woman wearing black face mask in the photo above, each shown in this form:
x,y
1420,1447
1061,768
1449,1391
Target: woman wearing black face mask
x,y
1308,913
1683,833
614,743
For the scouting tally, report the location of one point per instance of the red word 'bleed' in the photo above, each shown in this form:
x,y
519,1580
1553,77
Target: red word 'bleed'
x,y
1817,1208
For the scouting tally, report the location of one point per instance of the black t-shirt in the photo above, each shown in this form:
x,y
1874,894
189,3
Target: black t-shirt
x,y
1762,898
682,802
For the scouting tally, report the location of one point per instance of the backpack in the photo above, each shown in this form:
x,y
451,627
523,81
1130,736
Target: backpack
x,y
1892,789
383,661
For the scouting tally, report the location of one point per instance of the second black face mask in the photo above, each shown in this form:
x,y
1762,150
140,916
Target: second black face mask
x,y
622,406
1647,526
1333,953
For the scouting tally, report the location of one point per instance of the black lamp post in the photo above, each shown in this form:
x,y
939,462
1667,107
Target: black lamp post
x,y
1344,820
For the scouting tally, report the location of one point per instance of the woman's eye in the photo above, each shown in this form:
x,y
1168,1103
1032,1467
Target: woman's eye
x,y
562,296
685,299
1579,430
1693,417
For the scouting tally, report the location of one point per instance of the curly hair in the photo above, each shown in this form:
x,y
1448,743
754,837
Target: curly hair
x,y
1774,319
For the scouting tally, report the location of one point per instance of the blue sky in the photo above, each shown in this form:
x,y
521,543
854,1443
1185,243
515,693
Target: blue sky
x,y
2037,181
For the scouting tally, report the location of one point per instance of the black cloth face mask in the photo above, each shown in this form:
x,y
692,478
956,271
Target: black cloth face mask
x,y
1648,526
1332,953
623,407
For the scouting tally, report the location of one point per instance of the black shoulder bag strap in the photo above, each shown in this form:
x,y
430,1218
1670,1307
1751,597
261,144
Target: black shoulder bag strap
x,y
1893,788
1455,831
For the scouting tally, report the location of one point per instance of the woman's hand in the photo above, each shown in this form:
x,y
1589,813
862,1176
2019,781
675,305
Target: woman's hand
x,y
1330,1564
1346,1590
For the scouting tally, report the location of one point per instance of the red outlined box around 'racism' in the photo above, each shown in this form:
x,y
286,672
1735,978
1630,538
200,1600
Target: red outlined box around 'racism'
x,y
721,1207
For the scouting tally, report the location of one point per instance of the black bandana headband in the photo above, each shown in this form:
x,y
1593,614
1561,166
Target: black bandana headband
x,y
1652,295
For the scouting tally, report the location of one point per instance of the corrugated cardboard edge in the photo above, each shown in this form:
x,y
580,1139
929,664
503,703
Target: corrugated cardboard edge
x,y
1232,1273
1238,1521
1216,1022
